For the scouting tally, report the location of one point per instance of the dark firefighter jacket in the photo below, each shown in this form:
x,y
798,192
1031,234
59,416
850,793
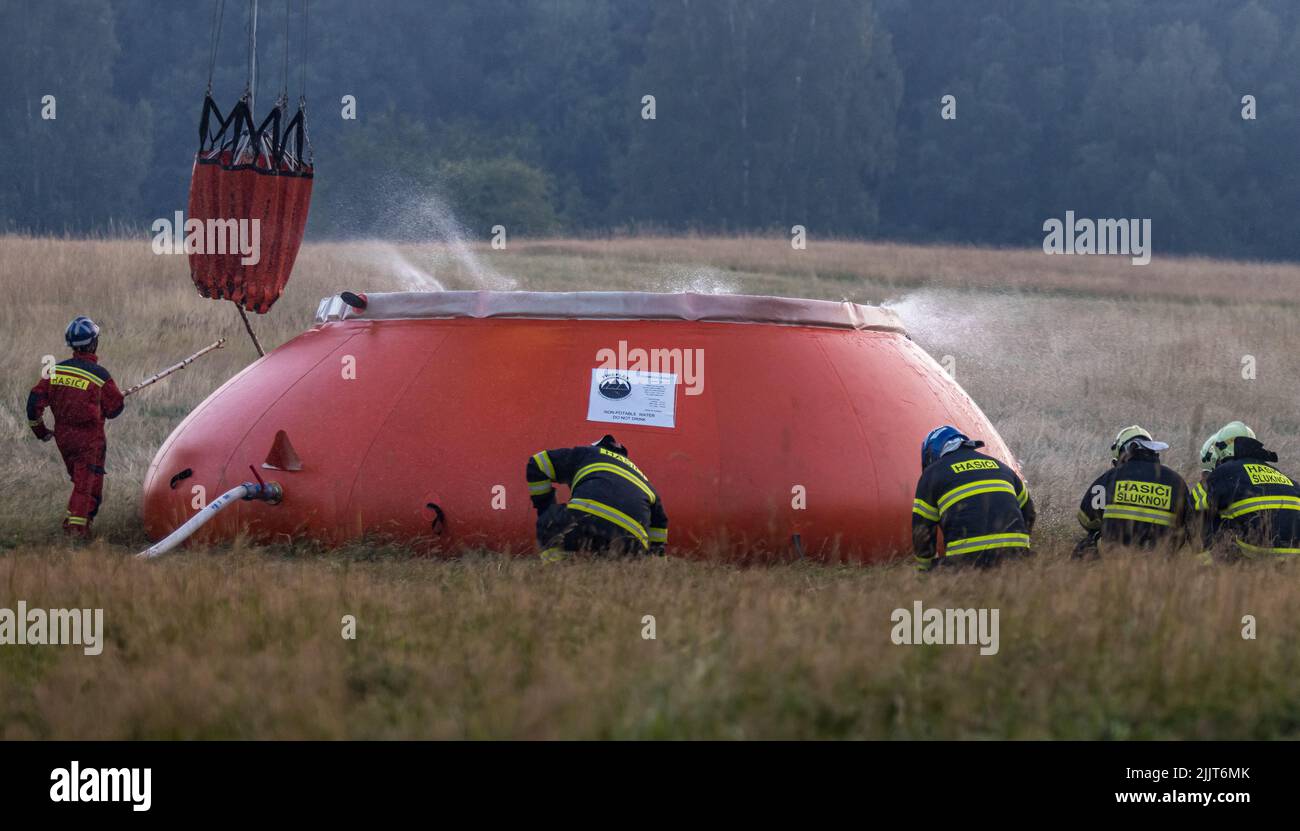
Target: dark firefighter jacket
x,y
979,503
1251,505
1139,503
81,394
603,484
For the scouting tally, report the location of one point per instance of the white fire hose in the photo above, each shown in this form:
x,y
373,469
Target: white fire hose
x,y
264,491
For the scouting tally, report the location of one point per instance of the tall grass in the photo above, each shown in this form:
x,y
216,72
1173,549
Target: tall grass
x,y
1060,352
248,644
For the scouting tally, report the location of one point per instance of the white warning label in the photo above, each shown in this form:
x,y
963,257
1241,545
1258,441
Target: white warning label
x,y
632,397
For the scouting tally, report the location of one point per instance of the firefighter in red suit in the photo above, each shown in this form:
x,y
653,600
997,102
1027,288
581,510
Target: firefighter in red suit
x,y
81,394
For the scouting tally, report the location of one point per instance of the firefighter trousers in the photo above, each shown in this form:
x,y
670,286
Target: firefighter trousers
x,y
984,559
561,531
85,464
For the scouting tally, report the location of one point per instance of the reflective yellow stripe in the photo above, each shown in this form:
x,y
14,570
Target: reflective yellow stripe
x,y
544,462
961,492
1199,497
614,515
1024,495
607,467
658,534
925,510
551,555
81,373
33,422
1088,522
1137,513
81,520
1140,509
1255,549
983,543
92,377
1261,503
1153,520
539,488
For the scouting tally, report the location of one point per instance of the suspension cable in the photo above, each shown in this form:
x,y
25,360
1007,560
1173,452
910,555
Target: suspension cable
x,y
251,91
284,76
214,36
302,95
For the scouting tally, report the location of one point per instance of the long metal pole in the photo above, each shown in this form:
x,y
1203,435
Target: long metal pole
x,y
176,367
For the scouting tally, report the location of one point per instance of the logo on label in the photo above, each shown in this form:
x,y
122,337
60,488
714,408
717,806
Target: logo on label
x,y
974,464
59,380
615,387
1265,475
1147,494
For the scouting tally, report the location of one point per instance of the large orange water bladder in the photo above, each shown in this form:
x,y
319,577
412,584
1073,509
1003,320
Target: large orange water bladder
x,y
777,426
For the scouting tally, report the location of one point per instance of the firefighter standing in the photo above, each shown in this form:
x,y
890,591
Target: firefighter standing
x,y
1252,508
81,394
612,506
980,504
1139,502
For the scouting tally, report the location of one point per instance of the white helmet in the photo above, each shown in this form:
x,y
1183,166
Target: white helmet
x,y
1134,435
1220,446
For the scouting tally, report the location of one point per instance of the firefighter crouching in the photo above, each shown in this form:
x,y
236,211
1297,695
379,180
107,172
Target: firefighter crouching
x,y
980,504
1207,466
1251,508
81,394
612,506
1138,503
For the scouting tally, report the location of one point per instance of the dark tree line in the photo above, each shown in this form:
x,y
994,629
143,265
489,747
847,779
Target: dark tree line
x,y
768,113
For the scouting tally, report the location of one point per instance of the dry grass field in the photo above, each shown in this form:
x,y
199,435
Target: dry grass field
x,y
1059,351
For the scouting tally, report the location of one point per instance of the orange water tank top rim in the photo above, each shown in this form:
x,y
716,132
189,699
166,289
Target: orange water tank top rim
x,y
613,305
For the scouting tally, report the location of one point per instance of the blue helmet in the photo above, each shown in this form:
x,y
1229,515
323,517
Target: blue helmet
x,y
940,440
82,331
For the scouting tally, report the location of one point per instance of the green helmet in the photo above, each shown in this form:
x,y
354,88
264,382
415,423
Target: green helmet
x,y
1207,454
1220,446
1132,434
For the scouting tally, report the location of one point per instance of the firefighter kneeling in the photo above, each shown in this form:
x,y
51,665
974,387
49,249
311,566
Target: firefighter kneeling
x,y
1251,508
612,506
1138,503
980,504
